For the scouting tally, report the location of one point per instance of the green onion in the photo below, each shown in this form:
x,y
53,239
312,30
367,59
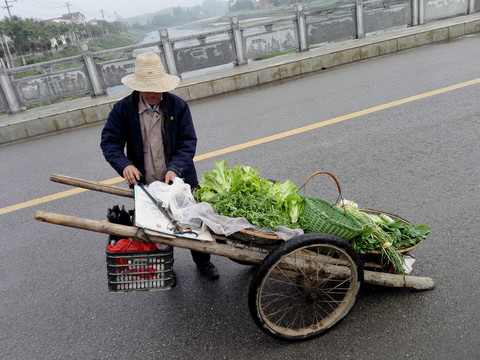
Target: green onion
x,y
373,234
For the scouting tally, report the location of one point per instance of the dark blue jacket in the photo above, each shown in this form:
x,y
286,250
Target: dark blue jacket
x,y
123,128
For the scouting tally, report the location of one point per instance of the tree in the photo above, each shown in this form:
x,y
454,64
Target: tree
x,y
20,31
162,20
30,36
242,5
212,8
95,30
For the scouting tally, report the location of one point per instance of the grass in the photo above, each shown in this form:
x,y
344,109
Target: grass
x,y
36,72
115,40
289,9
276,54
108,42
56,101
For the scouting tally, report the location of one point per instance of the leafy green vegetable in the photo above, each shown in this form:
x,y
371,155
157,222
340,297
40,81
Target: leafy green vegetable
x,y
387,219
294,207
406,235
241,192
374,237
218,180
384,234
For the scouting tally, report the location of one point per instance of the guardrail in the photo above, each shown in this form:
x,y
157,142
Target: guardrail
x,y
92,73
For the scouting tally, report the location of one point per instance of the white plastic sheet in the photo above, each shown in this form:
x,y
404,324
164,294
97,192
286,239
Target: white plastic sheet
x,y
179,199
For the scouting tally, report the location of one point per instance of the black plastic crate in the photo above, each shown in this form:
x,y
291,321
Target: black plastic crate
x,y
140,270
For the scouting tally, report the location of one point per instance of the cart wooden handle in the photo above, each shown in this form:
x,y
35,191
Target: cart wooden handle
x,y
92,185
210,247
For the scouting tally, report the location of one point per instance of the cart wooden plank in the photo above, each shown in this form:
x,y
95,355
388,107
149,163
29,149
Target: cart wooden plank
x,y
215,248
130,232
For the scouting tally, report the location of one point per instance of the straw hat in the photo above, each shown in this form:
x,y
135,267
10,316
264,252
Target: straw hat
x,y
150,76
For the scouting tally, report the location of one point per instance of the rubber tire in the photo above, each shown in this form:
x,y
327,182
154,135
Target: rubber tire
x,y
289,247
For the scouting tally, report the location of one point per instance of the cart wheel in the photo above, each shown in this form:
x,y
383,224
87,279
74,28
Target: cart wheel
x,y
305,286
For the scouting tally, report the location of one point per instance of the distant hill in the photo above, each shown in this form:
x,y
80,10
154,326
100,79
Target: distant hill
x,y
146,18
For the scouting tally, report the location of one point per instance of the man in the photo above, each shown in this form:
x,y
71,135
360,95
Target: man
x,y
157,128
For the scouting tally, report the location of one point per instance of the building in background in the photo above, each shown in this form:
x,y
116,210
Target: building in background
x,y
71,18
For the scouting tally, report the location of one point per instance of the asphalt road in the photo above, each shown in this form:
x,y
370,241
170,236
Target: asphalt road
x,y
401,147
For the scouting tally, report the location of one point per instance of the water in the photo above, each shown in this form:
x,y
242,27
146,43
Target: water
x,y
183,31
179,32
154,36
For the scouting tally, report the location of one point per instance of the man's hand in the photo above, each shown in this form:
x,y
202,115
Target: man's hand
x,y
131,174
169,177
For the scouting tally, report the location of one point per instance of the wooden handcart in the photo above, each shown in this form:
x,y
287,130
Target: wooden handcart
x,y
302,287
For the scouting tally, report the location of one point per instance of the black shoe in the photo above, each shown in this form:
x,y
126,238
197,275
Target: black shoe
x,y
208,270
174,280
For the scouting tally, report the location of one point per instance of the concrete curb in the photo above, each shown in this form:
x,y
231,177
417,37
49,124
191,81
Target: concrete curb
x,y
86,111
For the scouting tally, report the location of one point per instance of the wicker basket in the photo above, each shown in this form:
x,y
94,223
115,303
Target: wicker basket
x,y
324,217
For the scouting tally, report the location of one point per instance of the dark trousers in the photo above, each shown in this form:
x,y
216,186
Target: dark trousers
x,y
200,257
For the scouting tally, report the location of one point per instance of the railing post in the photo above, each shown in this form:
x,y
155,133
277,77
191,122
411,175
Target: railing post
x,y
414,12
301,27
92,69
359,19
8,90
471,7
238,41
421,12
168,51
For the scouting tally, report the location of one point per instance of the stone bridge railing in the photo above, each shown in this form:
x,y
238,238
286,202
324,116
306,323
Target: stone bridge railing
x,y
93,73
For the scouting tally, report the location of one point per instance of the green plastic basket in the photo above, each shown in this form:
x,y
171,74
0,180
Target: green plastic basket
x,y
324,217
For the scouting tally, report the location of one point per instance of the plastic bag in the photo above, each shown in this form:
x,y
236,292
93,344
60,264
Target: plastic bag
x,y
124,245
178,198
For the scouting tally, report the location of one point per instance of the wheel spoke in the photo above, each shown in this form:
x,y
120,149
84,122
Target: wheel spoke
x,y
308,289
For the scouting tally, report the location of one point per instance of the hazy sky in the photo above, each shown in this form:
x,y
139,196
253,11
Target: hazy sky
x,y
92,9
